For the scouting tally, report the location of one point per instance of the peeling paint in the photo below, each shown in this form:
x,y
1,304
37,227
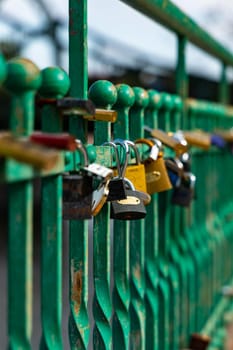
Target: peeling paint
x,y
76,290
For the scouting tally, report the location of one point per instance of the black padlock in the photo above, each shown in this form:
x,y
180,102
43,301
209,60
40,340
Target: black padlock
x,y
199,341
131,208
77,196
116,185
184,193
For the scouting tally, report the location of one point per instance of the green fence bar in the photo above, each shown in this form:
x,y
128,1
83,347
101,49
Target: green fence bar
x,y
55,84
22,81
79,327
171,17
104,95
151,243
164,241
121,253
137,237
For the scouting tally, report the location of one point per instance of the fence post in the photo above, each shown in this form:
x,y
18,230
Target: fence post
x,y
22,81
137,237
104,95
151,243
55,84
121,253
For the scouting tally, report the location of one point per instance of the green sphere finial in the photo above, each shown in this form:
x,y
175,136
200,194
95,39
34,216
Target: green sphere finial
x,y
22,75
177,103
125,95
154,99
167,101
141,97
55,83
2,69
103,93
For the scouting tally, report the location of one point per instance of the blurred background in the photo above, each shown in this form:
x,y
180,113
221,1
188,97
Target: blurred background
x,y
123,45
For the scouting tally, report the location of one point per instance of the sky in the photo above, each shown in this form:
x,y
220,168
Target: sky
x,y
124,24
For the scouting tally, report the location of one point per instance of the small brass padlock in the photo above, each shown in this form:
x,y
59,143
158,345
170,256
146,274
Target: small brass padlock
x,y
157,179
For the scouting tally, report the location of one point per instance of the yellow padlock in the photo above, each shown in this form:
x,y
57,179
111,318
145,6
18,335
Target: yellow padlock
x,y
157,179
136,172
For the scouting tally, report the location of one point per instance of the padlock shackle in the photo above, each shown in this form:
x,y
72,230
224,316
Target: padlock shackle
x,y
151,142
137,155
80,147
125,145
113,144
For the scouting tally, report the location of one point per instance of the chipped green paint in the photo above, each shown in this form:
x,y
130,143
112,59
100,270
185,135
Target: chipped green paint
x,y
55,84
79,326
22,81
121,289
137,237
104,95
151,243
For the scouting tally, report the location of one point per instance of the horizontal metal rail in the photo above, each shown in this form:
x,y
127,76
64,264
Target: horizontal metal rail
x,y
170,16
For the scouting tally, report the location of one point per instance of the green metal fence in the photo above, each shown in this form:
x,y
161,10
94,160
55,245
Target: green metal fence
x,y
157,281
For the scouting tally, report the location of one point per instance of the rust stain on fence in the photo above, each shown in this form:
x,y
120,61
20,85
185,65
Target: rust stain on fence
x,y
76,290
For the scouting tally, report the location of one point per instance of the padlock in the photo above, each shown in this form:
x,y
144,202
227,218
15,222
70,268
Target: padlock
x,y
116,185
131,208
184,193
198,138
103,175
77,196
136,172
77,192
104,115
175,170
199,341
63,141
157,179
25,151
179,146
100,194
70,105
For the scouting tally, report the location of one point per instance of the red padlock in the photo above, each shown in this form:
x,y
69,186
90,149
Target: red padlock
x,y
62,141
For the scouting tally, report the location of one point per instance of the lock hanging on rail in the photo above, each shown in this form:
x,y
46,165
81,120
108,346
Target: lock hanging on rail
x,y
116,186
136,172
184,189
157,179
77,192
132,207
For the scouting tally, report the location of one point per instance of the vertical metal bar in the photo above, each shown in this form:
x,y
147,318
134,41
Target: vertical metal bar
x,y
79,328
177,259
182,90
102,306
23,87
55,84
164,240
151,243
137,238
121,290
223,86
181,76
